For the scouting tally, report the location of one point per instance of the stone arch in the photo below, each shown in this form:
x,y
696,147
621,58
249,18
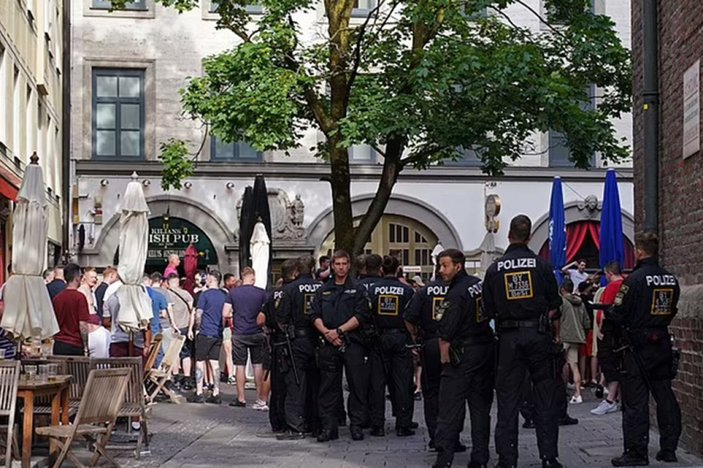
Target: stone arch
x,y
573,212
179,207
401,205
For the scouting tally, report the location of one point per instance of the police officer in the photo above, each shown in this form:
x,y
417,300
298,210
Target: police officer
x,y
341,306
644,307
391,359
520,291
372,270
294,317
279,362
466,345
422,322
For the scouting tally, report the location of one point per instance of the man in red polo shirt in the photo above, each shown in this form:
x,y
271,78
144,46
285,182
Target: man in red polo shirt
x,y
608,341
71,308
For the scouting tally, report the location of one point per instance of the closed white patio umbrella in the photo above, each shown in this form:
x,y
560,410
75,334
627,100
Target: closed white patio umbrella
x,y
135,304
28,308
259,247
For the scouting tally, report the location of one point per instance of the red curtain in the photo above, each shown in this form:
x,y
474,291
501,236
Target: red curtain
x,y
576,235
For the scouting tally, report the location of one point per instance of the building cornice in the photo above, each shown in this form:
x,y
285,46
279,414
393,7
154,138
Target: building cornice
x,y
292,170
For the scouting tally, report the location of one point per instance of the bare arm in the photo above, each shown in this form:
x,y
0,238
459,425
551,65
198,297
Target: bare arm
x,y
444,351
84,329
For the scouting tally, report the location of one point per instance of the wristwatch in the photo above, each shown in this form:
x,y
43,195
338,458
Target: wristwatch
x,y
339,331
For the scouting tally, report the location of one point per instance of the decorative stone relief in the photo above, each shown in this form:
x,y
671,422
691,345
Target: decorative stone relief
x,y
286,217
591,205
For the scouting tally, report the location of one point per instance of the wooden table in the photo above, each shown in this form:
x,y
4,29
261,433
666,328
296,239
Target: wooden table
x,y
58,389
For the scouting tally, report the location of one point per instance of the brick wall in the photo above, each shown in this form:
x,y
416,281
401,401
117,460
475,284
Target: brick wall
x,y
681,184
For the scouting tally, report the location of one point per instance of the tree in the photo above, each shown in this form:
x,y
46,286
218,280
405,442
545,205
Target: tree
x,y
416,80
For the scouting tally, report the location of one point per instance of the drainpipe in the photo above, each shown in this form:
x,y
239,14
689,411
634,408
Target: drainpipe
x,y
66,125
651,115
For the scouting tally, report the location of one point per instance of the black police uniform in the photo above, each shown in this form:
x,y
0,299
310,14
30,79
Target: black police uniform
x,y
519,290
335,304
294,317
423,313
391,359
367,332
469,377
275,362
644,307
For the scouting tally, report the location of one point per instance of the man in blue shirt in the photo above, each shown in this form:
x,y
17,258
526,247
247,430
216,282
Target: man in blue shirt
x,y
159,308
245,304
209,321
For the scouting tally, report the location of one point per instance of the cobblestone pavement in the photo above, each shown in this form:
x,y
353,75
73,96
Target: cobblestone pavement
x,y
208,435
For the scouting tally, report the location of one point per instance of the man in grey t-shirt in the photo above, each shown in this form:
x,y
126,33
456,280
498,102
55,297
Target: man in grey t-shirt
x,y
181,309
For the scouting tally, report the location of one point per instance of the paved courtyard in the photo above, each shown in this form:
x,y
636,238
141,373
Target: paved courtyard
x,y
209,435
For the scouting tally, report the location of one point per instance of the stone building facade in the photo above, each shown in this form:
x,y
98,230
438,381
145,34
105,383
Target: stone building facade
x,y
128,67
31,78
680,206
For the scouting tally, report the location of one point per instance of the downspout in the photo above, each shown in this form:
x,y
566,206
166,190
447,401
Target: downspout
x,y
66,125
651,115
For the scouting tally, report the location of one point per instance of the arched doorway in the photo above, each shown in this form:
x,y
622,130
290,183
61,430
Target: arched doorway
x,y
405,238
173,236
583,239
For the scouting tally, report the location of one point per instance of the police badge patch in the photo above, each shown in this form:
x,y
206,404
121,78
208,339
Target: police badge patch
x,y
662,299
621,294
441,309
518,286
436,303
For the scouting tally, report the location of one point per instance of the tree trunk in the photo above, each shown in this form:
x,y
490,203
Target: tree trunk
x,y
341,197
389,176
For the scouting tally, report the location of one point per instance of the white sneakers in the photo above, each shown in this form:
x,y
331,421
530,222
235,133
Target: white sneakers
x,y
260,406
605,407
576,400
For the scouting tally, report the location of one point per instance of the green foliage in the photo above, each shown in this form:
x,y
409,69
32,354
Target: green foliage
x,y
478,81
177,164
417,80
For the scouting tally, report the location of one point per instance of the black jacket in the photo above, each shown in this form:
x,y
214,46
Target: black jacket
x,y
297,302
336,304
424,307
648,298
389,298
520,286
462,315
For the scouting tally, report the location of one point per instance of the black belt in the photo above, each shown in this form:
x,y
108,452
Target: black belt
x,y
503,324
303,333
391,331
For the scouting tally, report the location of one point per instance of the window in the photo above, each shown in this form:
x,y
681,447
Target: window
x,y
16,112
362,154
558,146
138,5
239,152
467,158
3,96
118,113
362,8
407,239
252,7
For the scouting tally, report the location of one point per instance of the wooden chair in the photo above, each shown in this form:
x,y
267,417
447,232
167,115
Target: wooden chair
x,y
78,367
159,377
9,378
96,416
153,353
134,405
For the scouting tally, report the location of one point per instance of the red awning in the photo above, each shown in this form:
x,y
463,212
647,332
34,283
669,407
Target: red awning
x,y
9,184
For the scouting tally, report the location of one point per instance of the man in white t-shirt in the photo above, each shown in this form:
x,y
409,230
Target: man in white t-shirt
x,y
577,275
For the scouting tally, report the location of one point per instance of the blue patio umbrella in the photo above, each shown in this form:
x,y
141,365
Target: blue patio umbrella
x,y
557,230
611,240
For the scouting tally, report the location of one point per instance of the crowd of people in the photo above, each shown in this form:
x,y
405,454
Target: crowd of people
x,y
358,325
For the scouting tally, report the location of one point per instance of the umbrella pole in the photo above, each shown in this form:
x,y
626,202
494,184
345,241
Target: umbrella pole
x,y
130,345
